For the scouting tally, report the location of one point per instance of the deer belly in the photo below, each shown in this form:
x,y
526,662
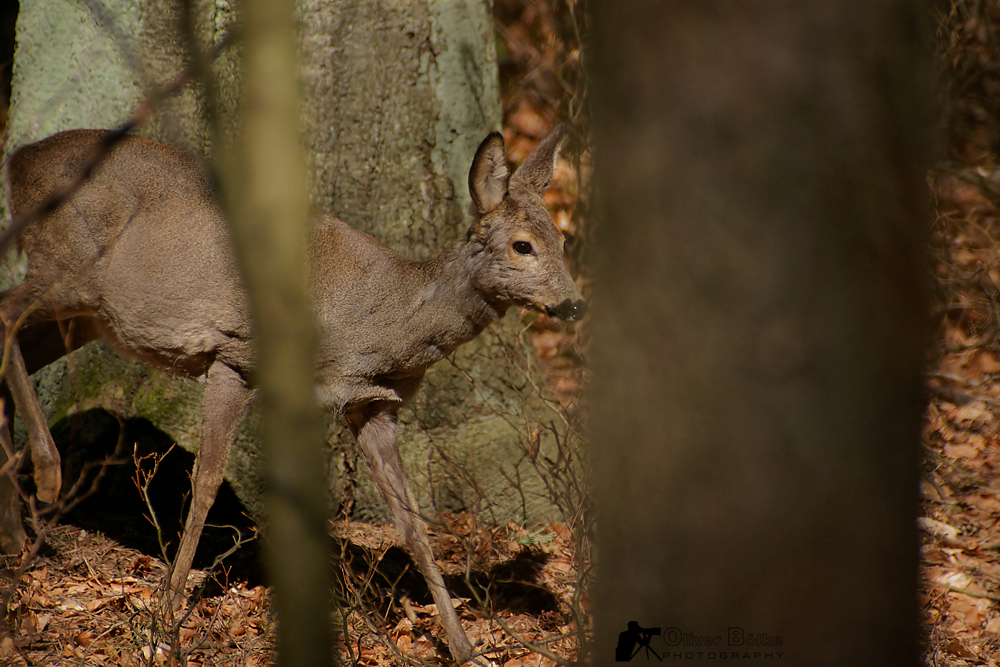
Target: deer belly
x,y
180,336
172,305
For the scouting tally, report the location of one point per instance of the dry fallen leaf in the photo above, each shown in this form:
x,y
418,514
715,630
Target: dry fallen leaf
x,y
972,416
958,650
529,660
988,361
6,646
948,534
957,451
71,605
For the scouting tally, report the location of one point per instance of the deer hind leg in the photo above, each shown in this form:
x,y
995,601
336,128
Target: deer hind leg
x,y
12,535
376,436
226,399
44,455
46,342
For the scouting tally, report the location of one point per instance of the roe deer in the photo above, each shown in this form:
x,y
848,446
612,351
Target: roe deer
x,y
140,255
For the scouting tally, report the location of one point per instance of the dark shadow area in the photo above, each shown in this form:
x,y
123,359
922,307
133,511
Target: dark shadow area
x,y
511,585
117,508
8,21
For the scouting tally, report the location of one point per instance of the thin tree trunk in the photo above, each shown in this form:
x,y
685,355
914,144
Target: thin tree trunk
x,y
264,180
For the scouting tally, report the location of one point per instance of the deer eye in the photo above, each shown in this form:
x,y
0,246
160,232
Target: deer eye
x,y
522,247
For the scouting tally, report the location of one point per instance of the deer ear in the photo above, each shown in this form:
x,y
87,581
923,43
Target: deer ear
x,y
536,172
489,174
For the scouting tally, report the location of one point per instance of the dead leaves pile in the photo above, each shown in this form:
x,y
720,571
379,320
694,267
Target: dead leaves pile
x,y
503,628
960,527
89,601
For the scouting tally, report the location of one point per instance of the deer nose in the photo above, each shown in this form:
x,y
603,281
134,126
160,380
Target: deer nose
x,y
569,311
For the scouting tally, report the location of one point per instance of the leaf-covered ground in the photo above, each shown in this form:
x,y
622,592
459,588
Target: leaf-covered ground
x,y
87,600
960,526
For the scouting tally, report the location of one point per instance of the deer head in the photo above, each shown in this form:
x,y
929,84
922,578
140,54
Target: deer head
x,y
524,248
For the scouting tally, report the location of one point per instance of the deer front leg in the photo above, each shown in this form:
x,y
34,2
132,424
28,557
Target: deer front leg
x,y
376,436
225,402
44,455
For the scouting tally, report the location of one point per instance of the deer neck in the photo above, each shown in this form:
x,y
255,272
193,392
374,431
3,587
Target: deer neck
x,y
451,298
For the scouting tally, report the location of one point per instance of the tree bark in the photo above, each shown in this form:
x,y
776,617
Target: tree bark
x,y
758,365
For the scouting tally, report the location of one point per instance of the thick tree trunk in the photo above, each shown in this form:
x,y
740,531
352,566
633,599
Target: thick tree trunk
x,y
758,363
396,98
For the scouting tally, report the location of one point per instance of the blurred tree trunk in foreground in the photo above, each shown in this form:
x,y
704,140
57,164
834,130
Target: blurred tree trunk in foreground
x,y
760,294
264,185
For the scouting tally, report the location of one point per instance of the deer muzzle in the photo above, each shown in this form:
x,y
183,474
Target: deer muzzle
x,y
568,310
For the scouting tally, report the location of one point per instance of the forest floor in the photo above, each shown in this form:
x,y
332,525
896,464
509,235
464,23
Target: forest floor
x,y
88,600
960,487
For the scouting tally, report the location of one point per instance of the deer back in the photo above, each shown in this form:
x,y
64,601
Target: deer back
x,y
141,248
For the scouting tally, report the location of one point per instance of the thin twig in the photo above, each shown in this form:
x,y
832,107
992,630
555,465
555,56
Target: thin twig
x,y
966,591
